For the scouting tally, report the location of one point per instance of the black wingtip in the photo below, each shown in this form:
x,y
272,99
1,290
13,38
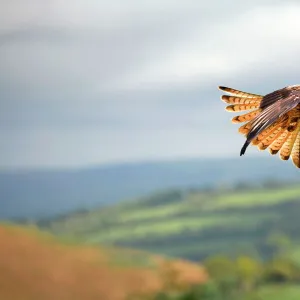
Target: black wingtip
x,y
243,150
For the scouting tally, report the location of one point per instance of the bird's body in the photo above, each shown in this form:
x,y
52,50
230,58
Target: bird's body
x,y
273,121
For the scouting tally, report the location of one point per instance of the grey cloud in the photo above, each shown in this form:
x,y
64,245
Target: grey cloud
x,y
102,54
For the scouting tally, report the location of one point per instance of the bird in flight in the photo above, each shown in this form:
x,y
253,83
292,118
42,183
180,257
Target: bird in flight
x,y
272,121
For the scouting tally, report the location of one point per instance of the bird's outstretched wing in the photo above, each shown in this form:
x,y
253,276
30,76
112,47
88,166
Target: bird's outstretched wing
x,y
273,121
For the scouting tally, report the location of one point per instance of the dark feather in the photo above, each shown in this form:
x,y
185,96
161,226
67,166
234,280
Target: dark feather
x,y
273,97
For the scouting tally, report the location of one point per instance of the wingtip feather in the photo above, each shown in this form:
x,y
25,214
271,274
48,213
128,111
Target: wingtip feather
x,y
245,146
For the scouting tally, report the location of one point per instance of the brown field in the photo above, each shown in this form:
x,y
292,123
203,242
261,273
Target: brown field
x,y
34,265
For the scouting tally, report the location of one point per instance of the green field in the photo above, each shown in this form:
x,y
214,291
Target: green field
x,y
277,292
191,224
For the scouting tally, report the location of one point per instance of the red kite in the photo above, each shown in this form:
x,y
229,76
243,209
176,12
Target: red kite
x,y
273,120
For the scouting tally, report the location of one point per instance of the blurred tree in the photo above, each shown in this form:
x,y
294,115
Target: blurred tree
x,y
220,267
224,272
249,272
207,291
281,270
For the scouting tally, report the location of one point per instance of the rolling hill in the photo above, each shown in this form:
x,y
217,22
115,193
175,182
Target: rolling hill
x,y
35,265
34,194
192,224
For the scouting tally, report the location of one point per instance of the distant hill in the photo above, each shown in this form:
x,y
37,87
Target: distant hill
x,y
192,224
37,266
36,194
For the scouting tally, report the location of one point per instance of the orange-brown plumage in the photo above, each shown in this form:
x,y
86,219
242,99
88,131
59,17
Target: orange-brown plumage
x,y
272,121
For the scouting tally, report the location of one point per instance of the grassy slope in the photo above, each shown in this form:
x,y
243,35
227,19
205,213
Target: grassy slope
x,y
34,265
276,292
191,225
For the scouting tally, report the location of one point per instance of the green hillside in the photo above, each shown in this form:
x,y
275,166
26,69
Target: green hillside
x,y
192,224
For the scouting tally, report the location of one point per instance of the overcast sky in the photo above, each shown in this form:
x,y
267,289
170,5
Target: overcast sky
x,y
92,82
